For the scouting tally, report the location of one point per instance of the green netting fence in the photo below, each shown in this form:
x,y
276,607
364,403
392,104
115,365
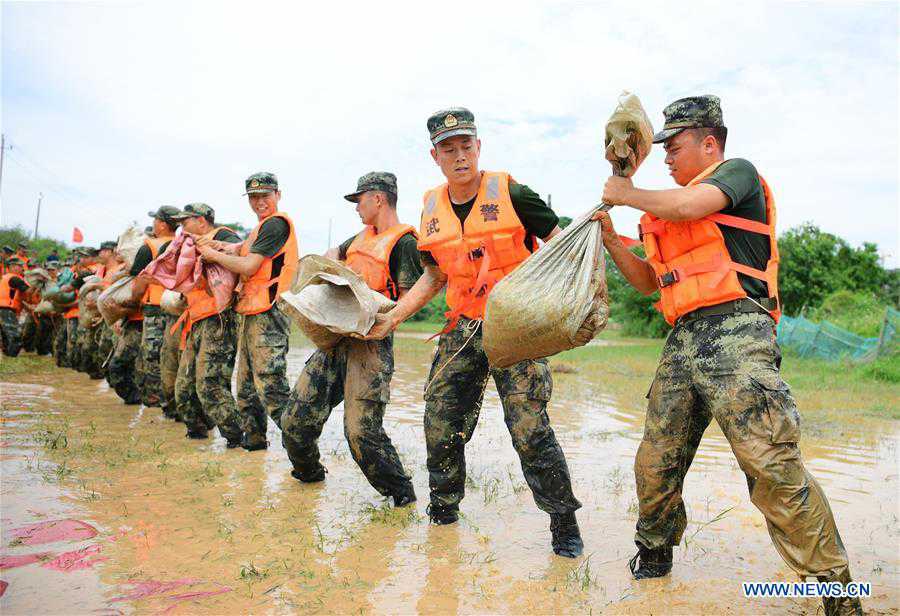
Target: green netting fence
x,y
826,341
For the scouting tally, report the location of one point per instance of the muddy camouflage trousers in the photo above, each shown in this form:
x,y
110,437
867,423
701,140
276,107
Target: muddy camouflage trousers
x,y
151,345
358,373
203,385
169,355
124,372
453,396
262,372
43,341
73,350
89,344
29,328
727,368
60,341
106,342
10,333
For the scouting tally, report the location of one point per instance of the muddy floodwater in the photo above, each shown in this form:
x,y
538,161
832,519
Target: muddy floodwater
x,y
108,509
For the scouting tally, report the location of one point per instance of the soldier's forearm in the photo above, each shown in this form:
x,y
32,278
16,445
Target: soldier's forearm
x,y
427,286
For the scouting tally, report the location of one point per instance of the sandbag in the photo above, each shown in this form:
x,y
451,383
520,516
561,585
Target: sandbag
x,y
557,298
115,302
130,242
173,302
88,314
330,301
37,278
44,307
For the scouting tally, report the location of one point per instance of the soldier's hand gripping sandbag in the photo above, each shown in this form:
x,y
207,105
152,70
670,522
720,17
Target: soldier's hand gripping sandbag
x,y
115,302
556,299
329,301
88,314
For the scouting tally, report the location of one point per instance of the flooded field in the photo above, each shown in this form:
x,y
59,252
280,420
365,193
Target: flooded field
x,y
108,509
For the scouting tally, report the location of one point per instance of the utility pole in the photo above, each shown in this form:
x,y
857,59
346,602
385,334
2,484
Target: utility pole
x,y
37,218
329,233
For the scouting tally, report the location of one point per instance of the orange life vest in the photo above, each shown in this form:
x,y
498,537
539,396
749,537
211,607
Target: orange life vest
x,y
477,254
692,263
154,291
73,312
108,273
259,292
369,256
9,297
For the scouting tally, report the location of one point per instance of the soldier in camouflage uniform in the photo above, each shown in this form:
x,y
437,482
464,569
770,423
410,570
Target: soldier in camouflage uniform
x,y
721,361
169,355
359,372
267,264
12,288
203,384
124,373
462,222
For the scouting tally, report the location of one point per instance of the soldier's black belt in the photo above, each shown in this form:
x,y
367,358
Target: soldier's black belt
x,y
763,305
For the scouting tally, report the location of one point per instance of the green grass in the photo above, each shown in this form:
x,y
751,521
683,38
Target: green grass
x,y
24,363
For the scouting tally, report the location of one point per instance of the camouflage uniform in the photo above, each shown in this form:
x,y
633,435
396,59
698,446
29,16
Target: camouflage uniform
x,y
358,373
29,332
203,385
89,341
73,348
453,401
262,372
105,345
43,342
726,368
60,343
10,332
151,345
169,356
124,371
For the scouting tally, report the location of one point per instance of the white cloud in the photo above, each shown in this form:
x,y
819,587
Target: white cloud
x,y
132,105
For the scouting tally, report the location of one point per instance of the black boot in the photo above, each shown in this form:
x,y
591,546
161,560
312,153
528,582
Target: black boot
x,y
405,497
197,434
253,443
649,563
566,538
442,515
840,606
313,476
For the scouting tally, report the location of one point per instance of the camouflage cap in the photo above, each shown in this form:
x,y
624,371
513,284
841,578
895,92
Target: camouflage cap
x,y
691,112
52,265
449,123
8,248
261,183
192,210
108,245
88,251
23,244
148,230
374,180
15,261
166,213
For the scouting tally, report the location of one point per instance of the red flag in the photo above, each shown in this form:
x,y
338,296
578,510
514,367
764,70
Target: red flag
x,y
77,237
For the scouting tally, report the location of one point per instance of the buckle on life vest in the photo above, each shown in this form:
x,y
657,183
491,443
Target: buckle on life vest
x,y
669,278
477,253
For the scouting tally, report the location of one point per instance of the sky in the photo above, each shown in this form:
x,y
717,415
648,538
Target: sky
x,y
111,109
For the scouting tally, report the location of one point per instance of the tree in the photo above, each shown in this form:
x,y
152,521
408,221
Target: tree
x,y
40,247
815,264
629,307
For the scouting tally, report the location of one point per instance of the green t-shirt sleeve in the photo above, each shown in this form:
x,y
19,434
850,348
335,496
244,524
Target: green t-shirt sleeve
x,y
536,216
141,260
405,264
344,247
272,236
227,235
738,179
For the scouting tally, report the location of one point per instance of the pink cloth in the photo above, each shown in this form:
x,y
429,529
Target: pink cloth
x,y
11,561
181,268
53,530
85,558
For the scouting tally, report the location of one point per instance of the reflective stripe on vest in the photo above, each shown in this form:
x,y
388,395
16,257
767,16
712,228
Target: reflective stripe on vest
x,y
476,255
260,291
369,255
692,263
9,297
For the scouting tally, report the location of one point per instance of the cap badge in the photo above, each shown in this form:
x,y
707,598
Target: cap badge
x,y
450,121
254,184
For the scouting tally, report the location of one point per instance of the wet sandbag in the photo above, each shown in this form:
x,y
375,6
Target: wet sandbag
x,y
329,301
173,302
557,298
115,302
130,242
37,278
44,307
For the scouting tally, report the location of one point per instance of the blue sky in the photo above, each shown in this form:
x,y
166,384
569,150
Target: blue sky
x,y
113,109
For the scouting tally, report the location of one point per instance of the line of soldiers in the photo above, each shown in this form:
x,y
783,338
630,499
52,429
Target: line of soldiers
x,y
711,253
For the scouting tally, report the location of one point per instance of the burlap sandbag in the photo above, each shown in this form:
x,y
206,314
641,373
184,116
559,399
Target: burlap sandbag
x,y
44,307
88,314
330,301
129,243
37,278
173,302
115,302
556,299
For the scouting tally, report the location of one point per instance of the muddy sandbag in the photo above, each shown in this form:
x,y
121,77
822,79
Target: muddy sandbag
x,y
37,278
44,307
329,301
115,302
129,243
173,302
557,298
